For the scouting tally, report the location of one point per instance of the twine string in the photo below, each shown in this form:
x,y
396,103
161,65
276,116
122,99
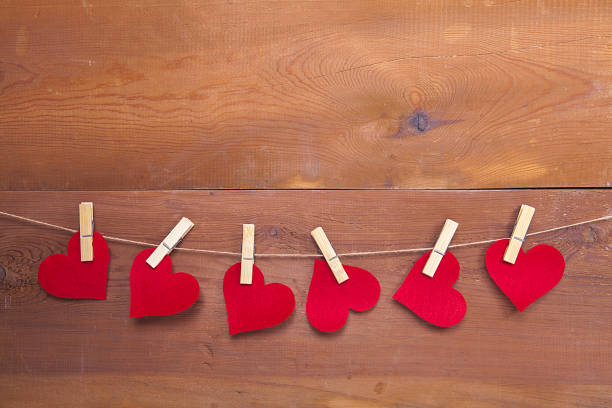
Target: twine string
x,y
271,255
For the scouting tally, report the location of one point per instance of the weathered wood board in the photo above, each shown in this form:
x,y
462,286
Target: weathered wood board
x,y
183,94
58,353
177,95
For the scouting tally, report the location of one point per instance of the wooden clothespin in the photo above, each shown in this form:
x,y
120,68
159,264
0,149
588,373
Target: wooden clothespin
x,y
440,248
248,254
329,254
86,230
519,233
170,242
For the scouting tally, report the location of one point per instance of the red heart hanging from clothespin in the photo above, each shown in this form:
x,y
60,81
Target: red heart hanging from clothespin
x,y
533,274
329,302
428,291
250,304
157,291
524,277
67,277
434,299
255,306
82,274
336,288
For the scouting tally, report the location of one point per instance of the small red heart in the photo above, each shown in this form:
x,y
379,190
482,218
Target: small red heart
x,y
433,299
328,303
255,306
159,292
67,277
533,274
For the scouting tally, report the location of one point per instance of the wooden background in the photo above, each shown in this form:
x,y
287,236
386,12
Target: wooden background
x,y
374,119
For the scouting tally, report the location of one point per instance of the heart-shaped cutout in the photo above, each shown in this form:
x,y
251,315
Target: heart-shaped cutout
x,y
434,299
159,292
255,306
328,303
65,276
533,274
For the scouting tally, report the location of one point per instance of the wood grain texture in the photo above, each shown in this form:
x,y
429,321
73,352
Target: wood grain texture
x,y
182,94
58,353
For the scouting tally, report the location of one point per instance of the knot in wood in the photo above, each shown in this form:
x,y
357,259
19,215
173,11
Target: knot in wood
x,y
420,121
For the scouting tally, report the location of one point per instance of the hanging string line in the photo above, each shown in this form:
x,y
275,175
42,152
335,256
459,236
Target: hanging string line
x,y
363,253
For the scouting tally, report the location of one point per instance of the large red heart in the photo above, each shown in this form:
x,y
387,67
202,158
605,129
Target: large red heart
x,y
328,303
433,299
159,292
255,306
533,274
67,277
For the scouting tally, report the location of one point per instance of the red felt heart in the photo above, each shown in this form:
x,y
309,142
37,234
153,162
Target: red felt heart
x,y
255,306
433,299
67,277
159,292
328,303
533,274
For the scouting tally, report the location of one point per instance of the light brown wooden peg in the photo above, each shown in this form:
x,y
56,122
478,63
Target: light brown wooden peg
x,y
329,254
248,254
172,239
440,248
519,233
86,230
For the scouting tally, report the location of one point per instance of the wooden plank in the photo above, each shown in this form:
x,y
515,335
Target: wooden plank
x,y
58,353
296,94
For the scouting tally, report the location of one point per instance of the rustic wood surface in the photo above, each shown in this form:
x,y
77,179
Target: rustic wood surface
x,y
279,94
177,95
59,353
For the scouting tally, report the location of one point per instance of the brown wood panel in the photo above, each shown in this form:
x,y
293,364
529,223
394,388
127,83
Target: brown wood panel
x,y
109,94
58,353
